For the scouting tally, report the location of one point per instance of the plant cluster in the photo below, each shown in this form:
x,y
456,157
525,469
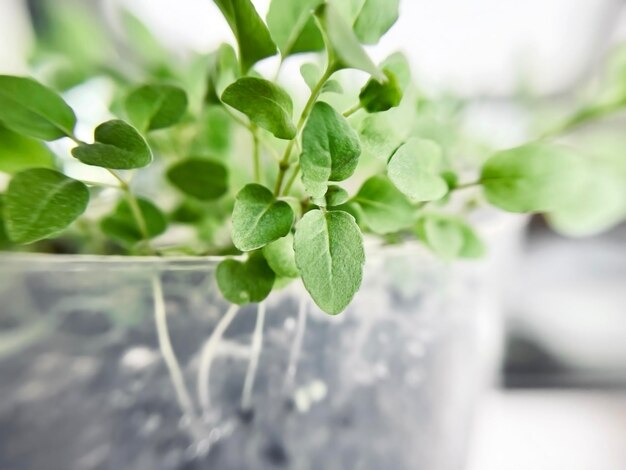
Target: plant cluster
x,y
286,198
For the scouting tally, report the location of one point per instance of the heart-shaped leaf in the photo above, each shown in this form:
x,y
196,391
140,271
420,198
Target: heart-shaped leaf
x,y
253,38
200,178
152,107
27,107
375,19
258,218
117,146
346,52
245,282
293,27
41,202
330,257
415,170
330,149
537,177
336,196
265,103
281,257
378,96
384,209
18,152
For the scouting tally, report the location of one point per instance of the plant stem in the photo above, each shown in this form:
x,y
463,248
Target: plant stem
x,y
207,356
349,112
296,346
467,185
167,351
284,163
134,206
256,153
255,352
292,179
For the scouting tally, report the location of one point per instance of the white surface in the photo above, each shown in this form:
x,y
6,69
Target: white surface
x,y
550,430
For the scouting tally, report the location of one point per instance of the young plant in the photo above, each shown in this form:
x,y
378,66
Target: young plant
x,y
288,198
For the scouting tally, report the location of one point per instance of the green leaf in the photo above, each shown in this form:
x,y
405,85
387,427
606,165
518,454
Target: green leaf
x,y
122,226
281,257
449,237
336,196
381,134
398,64
344,48
330,258
27,107
245,282
258,218
375,19
378,96
538,177
152,107
293,27
384,208
311,73
223,70
253,38
40,203
215,136
266,104
18,152
117,145
332,86
414,169
330,149
200,178
146,47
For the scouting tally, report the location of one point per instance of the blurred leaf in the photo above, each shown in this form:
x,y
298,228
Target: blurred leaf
x,y
122,226
27,107
255,42
449,237
18,153
375,19
378,96
200,178
281,257
152,107
384,209
293,27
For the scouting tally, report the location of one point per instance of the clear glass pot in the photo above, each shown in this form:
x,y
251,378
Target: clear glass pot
x,y
88,379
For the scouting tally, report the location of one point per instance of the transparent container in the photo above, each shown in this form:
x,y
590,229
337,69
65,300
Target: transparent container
x,y
389,384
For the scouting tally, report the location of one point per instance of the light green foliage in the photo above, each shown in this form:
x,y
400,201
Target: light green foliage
x,y
152,107
117,146
215,133
415,170
18,152
281,257
41,202
343,44
398,64
253,38
384,209
537,177
248,281
382,133
27,107
292,26
223,69
311,74
122,225
146,47
266,104
330,149
449,237
258,218
200,178
375,18
330,258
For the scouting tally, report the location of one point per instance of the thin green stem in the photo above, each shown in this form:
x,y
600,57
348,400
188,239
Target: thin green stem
x,y
292,179
467,185
167,351
134,206
284,163
350,111
256,154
